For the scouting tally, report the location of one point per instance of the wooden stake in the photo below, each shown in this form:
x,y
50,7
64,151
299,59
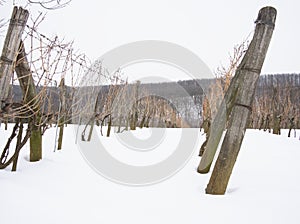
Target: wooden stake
x,y
30,98
10,50
62,112
247,76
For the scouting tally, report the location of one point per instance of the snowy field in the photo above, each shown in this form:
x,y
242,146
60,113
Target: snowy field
x,y
62,188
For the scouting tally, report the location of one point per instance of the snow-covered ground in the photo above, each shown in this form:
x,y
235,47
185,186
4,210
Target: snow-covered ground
x,y
62,188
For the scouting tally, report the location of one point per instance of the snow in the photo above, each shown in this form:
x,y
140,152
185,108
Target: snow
x,y
62,188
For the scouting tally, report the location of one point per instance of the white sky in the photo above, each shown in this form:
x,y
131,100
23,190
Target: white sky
x,y
209,28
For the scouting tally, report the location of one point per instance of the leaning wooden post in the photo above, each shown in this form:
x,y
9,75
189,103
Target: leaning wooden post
x,y
32,101
218,126
10,50
250,67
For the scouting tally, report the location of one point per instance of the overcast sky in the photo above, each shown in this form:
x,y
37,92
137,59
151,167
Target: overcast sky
x,y
209,28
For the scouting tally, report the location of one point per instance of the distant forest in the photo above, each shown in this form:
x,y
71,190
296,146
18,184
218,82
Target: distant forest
x,y
277,97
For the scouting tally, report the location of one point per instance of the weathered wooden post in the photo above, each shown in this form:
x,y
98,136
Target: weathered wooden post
x,y
62,112
218,126
14,57
219,123
10,50
32,101
247,76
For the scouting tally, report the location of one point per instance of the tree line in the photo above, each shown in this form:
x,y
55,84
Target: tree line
x,y
276,105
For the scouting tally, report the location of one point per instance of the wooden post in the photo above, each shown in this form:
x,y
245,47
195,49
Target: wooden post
x,y
10,50
62,112
108,126
219,123
218,126
30,98
248,73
